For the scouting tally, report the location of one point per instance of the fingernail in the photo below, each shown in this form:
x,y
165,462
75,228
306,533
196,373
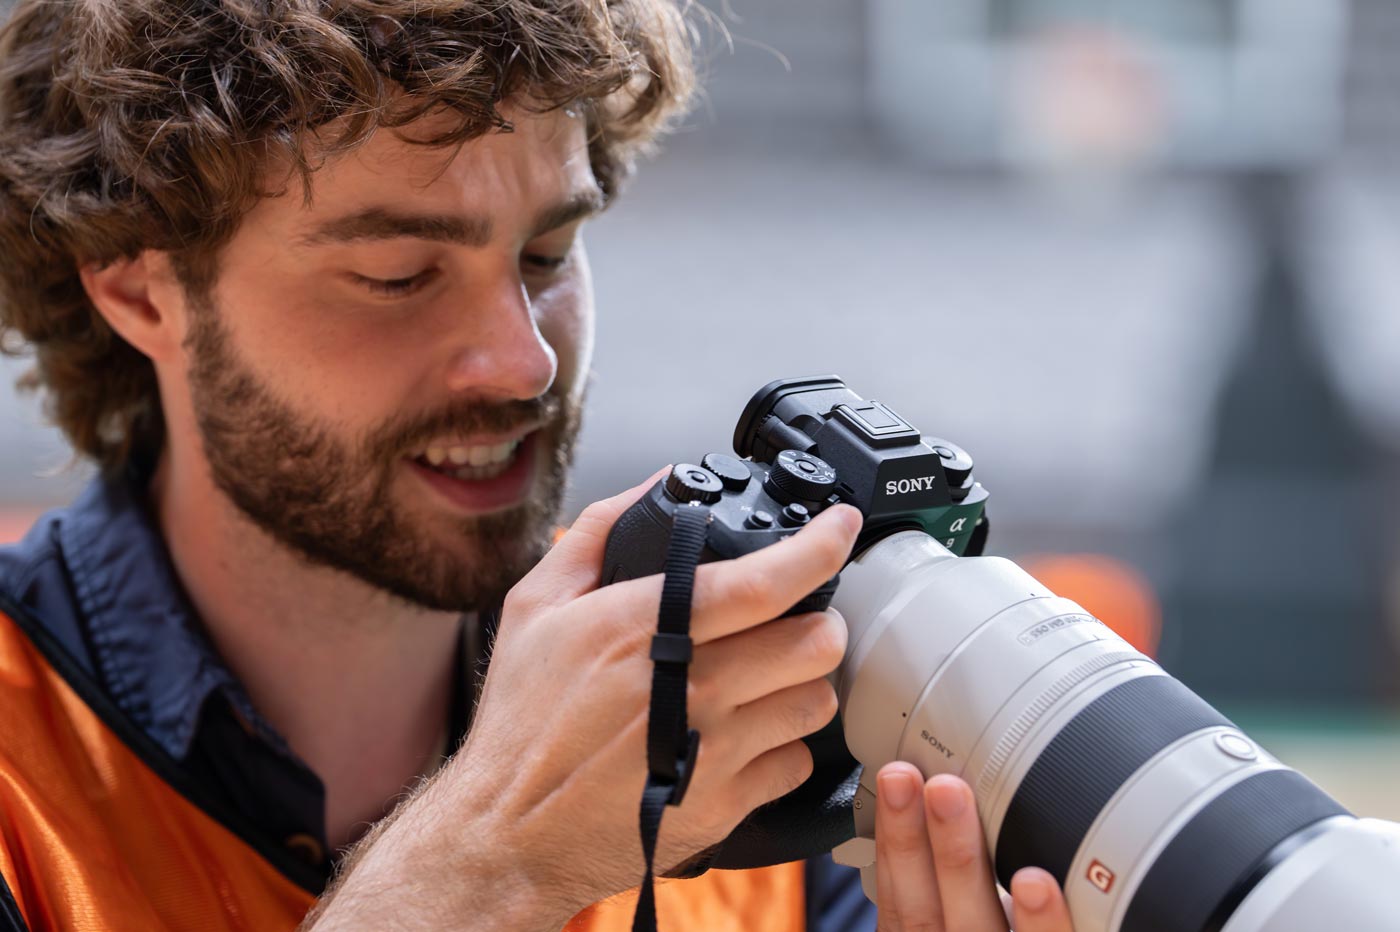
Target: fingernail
x,y
836,621
1030,891
898,789
851,518
947,802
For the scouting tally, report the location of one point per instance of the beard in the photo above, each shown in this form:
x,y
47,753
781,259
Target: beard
x,y
330,498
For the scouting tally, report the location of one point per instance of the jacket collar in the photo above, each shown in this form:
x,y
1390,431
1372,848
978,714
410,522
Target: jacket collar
x,y
149,648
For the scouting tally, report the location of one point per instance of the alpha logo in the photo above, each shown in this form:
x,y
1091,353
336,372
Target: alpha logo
x,y
1100,876
904,486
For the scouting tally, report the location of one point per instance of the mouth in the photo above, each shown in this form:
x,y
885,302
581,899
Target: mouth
x,y
481,476
471,462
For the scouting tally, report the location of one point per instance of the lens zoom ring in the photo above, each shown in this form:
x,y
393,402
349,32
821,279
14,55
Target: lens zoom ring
x,y
1212,861
1085,764
1043,703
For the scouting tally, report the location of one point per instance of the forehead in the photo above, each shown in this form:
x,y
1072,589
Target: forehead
x,y
543,160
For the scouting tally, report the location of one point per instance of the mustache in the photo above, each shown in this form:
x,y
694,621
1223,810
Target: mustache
x,y
412,434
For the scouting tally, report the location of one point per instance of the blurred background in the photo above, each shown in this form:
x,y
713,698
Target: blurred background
x,y
1139,257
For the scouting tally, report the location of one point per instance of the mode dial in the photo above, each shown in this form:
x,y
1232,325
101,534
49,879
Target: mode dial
x,y
690,483
798,476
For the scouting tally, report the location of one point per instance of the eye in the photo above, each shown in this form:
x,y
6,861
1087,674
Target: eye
x,y
544,263
396,287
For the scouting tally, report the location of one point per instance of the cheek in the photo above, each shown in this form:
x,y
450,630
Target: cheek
x,y
344,365
336,368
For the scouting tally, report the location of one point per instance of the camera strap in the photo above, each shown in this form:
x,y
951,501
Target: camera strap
x,y
671,745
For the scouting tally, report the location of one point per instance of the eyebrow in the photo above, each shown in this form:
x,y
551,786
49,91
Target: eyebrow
x,y
379,223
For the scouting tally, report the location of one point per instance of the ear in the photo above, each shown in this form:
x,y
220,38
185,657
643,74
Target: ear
x,y
141,300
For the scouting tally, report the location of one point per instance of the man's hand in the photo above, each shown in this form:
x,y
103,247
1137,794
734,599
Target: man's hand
x,y
932,870
537,814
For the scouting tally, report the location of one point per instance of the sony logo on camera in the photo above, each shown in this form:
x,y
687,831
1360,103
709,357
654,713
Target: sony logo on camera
x,y
905,486
908,479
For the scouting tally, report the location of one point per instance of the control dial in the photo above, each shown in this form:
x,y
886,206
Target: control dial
x,y
731,471
957,465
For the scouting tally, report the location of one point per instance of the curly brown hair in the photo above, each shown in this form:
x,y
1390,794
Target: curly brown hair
x,y
128,125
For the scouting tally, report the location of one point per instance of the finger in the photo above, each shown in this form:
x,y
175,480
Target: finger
x,y
901,845
772,774
571,566
731,595
759,586
886,918
760,661
970,901
770,722
1039,905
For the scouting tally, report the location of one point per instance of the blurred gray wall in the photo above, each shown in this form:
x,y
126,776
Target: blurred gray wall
x,y
1082,334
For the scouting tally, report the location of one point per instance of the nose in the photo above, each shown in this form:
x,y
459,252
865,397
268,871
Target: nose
x,y
501,352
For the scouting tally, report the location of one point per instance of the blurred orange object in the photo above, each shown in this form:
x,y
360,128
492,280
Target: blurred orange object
x,y
14,524
1110,590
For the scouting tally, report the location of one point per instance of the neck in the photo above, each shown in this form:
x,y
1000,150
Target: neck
x,y
358,682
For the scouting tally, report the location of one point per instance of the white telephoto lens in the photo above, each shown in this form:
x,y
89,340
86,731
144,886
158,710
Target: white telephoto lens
x,y
1152,809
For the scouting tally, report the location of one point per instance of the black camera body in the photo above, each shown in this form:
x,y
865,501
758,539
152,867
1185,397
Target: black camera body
x,y
812,442
804,445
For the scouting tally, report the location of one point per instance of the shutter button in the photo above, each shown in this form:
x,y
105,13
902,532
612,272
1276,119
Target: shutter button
x,y
690,483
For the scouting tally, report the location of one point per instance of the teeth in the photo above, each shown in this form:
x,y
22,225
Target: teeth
x,y
472,462
489,471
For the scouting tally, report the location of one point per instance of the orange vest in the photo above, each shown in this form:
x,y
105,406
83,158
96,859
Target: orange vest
x,y
93,838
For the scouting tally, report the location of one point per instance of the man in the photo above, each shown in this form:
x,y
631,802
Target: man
x,y
306,281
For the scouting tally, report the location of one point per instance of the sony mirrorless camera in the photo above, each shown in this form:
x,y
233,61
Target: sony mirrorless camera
x,y
1086,759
